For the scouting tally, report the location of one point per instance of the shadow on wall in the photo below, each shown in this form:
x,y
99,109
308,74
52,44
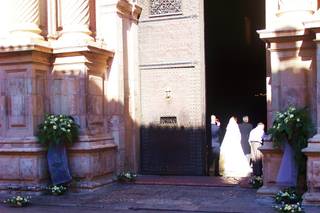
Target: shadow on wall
x,y
293,78
173,150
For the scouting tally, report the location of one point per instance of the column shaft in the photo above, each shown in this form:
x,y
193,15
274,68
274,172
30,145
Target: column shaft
x,y
25,18
76,20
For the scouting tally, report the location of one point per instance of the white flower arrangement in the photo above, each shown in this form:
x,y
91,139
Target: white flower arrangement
x,y
126,177
295,127
57,129
18,201
289,208
288,201
256,181
57,190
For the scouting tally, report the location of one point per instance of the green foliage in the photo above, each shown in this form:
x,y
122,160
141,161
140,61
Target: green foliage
x,y
295,126
58,129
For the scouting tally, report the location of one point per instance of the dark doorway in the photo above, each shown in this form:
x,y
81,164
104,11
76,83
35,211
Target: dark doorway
x,y
235,60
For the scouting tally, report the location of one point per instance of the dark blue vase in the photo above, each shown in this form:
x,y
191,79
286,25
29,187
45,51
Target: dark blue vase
x,y
58,164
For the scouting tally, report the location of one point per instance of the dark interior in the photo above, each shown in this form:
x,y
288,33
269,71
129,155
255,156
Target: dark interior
x,y
235,60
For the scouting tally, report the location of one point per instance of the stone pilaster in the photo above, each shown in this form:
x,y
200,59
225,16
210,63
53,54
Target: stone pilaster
x,y
291,52
26,19
312,196
76,19
23,95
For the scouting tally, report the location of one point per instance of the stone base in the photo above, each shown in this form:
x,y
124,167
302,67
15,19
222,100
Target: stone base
x,y
26,188
85,185
311,199
265,194
268,191
23,166
92,162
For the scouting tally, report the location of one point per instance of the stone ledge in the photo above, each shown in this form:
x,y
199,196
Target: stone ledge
x,y
311,199
33,46
26,188
91,185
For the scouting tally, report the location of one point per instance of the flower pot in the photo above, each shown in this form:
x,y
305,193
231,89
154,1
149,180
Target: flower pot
x,y
58,164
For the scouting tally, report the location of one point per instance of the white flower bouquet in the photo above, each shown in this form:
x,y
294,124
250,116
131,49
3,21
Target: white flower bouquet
x,y
57,129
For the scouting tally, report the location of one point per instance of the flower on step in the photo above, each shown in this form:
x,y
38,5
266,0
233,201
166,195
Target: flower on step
x,y
57,190
18,201
126,176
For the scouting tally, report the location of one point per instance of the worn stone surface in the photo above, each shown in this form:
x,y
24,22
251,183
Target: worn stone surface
x,y
154,198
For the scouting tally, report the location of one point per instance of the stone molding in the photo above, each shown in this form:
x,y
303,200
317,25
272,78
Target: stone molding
x,y
129,10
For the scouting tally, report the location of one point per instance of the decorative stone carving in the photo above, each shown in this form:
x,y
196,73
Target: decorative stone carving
x,y
164,7
26,18
16,100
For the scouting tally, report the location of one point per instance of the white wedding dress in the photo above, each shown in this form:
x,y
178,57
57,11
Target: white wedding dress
x,y
233,162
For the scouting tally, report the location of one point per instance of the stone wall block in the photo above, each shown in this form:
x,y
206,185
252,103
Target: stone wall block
x,y
314,174
9,167
271,164
28,168
80,165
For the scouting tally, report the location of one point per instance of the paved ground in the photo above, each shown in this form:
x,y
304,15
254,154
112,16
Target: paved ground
x,y
152,198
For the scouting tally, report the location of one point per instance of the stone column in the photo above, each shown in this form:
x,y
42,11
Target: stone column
x,y
292,12
76,20
25,19
312,196
291,52
286,5
4,25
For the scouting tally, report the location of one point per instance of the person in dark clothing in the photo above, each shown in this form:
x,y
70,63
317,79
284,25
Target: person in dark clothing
x,y
215,144
245,128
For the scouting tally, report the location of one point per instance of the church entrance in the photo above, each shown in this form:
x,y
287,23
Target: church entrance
x,y
235,61
189,70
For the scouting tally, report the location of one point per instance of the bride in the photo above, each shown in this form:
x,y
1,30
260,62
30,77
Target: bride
x,y
233,162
